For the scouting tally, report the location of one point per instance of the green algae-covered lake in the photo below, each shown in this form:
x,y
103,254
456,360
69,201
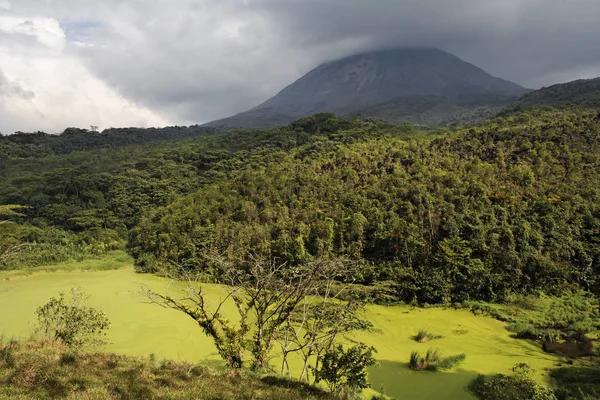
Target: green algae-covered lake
x,y
142,329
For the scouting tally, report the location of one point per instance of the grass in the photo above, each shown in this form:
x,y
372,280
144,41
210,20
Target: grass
x,y
139,329
546,318
434,361
43,370
424,336
106,262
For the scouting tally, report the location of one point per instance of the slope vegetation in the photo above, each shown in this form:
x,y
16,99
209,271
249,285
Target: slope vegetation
x,y
583,92
509,206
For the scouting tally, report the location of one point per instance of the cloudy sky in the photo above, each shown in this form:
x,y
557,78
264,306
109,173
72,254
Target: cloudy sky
x,y
161,62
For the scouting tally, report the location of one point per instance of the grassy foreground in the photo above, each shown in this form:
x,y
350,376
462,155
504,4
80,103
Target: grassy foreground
x,y
40,370
139,329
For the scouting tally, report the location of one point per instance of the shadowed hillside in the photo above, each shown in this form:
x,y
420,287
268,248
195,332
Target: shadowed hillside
x,y
583,92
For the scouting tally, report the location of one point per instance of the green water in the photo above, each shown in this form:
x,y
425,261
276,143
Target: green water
x,y
141,329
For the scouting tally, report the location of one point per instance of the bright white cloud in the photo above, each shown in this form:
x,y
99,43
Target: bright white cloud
x,y
45,87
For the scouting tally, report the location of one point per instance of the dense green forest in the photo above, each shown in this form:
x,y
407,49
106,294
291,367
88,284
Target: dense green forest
x,y
40,144
509,206
77,203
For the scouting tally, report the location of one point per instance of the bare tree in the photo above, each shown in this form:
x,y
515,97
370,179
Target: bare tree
x,y
284,303
190,299
314,328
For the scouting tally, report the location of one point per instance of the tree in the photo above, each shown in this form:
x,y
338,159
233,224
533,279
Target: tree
x,y
229,339
9,243
313,328
345,368
277,299
72,321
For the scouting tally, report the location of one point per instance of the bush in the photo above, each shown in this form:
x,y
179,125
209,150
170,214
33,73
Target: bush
x,y
577,383
345,369
517,386
72,322
434,361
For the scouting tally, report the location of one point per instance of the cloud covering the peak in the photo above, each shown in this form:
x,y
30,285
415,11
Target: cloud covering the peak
x,y
156,62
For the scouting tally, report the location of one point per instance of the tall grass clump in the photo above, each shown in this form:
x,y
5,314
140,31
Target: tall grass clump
x,y
434,361
7,358
424,336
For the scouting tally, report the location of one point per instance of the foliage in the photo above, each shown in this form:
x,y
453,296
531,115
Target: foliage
x,y
434,361
345,368
40,144
510,206
95,194
583,92
517,386
71,321
9,244
39,371
569,317
577,383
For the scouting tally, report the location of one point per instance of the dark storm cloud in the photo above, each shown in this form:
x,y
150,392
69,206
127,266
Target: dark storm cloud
x,y
528,41
195,61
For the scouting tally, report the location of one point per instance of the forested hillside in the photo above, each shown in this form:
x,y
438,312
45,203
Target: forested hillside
x,y
510,206
85,202
41,144
584,92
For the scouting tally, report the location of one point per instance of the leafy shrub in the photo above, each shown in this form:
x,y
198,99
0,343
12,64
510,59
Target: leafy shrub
x,y
517,386
434,361
72,321
345,369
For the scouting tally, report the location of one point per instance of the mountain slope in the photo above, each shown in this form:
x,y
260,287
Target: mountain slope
x,y
583,92
439,110
367,80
